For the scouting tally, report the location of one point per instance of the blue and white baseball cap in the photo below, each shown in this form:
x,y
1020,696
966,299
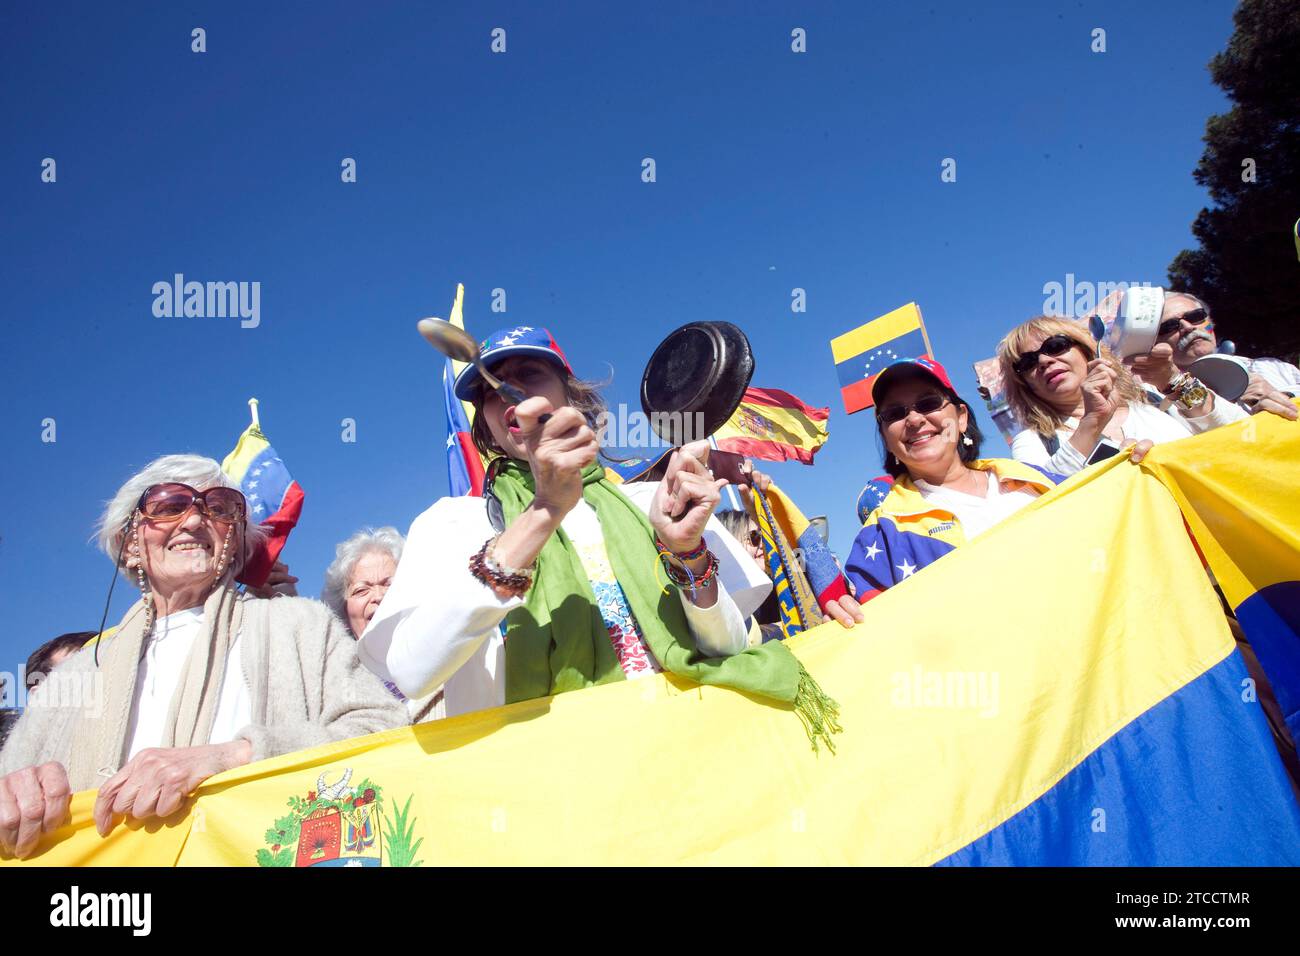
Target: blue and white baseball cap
x,y
504,343
873,496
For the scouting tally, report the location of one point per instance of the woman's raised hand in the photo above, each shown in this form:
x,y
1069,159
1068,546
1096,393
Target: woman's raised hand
x,y
685,498
1100,397
558,451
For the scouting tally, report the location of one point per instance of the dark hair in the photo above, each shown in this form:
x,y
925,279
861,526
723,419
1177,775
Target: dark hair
x,y
967,453
583,396
38,665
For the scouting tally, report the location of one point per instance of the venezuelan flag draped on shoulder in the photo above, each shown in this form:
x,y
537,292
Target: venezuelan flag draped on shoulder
x,y
1095,713
905,532
274,498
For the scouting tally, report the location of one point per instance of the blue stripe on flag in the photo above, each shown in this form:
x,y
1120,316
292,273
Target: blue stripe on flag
x,y
1194,781
868,363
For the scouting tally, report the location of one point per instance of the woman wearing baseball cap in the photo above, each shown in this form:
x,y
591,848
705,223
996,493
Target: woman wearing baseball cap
x,y
559,578
943,493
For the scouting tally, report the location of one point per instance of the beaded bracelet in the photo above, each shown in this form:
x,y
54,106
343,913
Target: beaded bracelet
x,y
690,555
686,579
484,566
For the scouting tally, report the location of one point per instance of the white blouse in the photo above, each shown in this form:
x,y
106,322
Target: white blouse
x,y
160,672
1144,421
438,624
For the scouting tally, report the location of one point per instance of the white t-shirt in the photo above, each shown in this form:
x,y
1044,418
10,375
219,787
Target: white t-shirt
x,y
1144,421
160,672
977,514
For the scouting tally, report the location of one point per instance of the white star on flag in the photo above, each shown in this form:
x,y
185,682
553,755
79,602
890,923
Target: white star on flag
x,y
907,569
522,329
872,551
252,484
507,340
451,440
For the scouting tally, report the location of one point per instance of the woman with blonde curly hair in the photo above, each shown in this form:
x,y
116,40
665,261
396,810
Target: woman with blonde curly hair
x,y
1069,400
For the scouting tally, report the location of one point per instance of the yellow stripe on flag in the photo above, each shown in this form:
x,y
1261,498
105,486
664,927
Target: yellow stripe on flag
x,y
457,319
865,337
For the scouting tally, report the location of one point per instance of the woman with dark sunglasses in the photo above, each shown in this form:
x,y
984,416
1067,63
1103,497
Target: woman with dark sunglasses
x,y
1077,407
195,680
943,493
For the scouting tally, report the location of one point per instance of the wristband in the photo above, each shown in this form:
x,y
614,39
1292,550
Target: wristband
x,y
691,555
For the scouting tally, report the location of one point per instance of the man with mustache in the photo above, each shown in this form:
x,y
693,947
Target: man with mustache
x,y
1185,327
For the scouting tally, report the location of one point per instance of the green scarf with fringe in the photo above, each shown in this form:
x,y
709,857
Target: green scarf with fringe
x,y
558,641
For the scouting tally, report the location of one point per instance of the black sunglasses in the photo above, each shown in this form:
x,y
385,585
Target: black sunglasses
x,y
1194,317
755,539
926,405
1053,346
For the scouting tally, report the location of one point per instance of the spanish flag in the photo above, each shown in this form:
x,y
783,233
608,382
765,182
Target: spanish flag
x,y
773,425
864,353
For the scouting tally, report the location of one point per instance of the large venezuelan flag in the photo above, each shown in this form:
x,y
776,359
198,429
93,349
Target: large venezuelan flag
x,y
862,354
464,465
1062,690
773,425
274,498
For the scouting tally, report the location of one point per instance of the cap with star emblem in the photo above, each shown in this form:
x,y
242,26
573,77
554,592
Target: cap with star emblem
x,y
873,496
925,367
504,343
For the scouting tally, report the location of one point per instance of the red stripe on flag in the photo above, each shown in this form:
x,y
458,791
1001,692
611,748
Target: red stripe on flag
x,y
473,464
858,395
766,450
776,398
278,525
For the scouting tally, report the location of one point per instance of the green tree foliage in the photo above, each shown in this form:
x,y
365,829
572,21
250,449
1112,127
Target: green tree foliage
x,y
1246,267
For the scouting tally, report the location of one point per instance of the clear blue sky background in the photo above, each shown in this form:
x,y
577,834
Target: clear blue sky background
x,y
522,171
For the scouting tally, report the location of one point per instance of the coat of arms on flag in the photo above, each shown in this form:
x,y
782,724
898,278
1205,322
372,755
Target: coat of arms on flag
x,y
864,353
775,426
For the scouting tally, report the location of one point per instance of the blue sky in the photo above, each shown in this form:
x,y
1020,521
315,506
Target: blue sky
x,y
522,171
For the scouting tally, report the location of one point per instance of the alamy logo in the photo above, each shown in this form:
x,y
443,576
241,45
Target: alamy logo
x,y
209,300
103,909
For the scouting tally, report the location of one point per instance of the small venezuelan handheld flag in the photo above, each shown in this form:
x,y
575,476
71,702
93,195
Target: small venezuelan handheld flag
x,y
774,426
862,354
464,466
274,498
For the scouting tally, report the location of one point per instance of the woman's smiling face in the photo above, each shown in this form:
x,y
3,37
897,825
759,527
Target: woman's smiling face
x,y
928,441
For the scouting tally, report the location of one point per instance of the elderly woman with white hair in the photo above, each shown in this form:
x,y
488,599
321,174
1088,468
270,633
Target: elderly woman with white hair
x,y
197,678
355,584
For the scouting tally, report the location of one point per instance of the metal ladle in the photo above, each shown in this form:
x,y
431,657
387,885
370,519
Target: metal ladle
x,y
455,343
